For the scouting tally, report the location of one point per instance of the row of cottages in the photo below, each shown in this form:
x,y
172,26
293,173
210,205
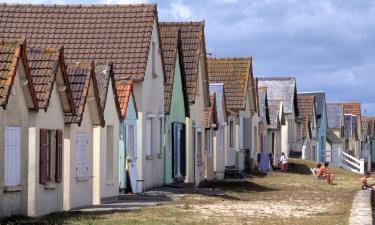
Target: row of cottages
x,y
52,112
232,81
368,137
281,100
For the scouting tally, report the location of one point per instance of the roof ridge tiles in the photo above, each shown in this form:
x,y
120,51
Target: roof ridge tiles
x,y
230,58
80,5
280,78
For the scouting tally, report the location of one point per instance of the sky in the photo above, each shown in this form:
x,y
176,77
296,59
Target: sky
x,y
328,45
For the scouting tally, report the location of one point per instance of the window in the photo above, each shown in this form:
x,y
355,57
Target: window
x,y
12,174
210,142
131,141
160,137
50,157
153,53
231,134
82,155
149,137
221,137
110,153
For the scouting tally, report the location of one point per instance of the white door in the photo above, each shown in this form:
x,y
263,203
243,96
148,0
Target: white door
x,y
82,151
12,157
131,151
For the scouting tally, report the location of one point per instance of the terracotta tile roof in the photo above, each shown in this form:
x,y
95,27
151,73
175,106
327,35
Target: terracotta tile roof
x,y
193,45
124,90
320,103
235,74
103,72
110,33
353,108
282,88
171,45
335,114
210,115
79,76
12,52
306,105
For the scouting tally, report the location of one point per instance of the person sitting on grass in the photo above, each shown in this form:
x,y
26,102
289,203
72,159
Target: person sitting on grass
x,y
323,173
284,162
316,169
366,186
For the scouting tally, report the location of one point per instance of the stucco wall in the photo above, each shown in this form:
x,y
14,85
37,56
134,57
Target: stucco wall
x,y
219,154
44,199
149,95
103,187
77,193
16,114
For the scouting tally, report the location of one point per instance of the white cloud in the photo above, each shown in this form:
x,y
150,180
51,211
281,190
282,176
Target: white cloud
x,y
180,11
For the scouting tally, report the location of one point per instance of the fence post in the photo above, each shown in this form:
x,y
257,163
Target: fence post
x,y
362,166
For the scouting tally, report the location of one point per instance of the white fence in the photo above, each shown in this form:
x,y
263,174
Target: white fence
x,y
342,159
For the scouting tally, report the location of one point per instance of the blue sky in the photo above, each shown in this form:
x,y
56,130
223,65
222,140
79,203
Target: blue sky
x,y
328,45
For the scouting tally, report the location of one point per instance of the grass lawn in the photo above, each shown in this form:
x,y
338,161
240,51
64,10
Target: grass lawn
x,y
277,198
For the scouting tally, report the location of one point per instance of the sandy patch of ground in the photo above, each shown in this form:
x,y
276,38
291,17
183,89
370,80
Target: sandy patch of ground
x,y
257,209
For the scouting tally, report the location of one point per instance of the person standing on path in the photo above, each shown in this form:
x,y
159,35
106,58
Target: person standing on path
x,y
284,162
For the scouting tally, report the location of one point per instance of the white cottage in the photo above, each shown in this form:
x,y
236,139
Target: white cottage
x,y
241,104
17,96
79,135
106,144
46,130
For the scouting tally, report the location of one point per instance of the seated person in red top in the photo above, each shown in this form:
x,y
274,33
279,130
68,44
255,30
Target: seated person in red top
x,y
323,173
366,186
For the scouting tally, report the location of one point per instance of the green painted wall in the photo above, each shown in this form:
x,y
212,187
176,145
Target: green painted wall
x,y
176,114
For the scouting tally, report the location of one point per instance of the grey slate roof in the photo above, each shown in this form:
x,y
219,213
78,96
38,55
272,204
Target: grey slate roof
x,y
332,137
281,88
263,104
334,115
218,89
274,110
320,101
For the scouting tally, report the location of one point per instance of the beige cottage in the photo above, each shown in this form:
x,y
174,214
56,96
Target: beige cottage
x,y
237,76
106,144
46,130
78,135
17,96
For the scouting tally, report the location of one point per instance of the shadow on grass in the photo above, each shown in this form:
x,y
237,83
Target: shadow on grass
x,y
241,187
299,168
60,218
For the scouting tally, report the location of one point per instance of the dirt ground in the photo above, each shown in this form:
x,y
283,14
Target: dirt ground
x,y
276,198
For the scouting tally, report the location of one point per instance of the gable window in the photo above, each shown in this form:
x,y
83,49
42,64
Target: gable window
x,y
12,162
221,138
153,58
50,157
110,153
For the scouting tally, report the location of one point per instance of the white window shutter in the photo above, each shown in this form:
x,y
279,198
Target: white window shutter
x,y
127,138
82,155
148,137
12,156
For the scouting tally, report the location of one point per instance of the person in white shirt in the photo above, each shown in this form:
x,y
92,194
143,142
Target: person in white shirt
x,y
284,162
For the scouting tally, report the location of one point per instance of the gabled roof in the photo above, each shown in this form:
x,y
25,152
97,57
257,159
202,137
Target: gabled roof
x,y
353,108
193,47
12,52
170,46
282,89
335,115
276,111
44,65
124,90
263,104
306,108
120,34
218,90
210,114
235,74
103,73
79,76
320,102
332,137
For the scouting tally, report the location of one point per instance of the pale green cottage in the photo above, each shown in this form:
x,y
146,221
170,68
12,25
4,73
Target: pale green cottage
x,y
175,107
